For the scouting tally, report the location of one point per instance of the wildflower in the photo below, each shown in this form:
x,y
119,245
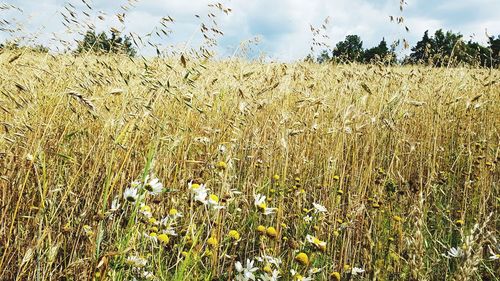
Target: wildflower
x,y
267,268
261,229
299,277
221,148
319,208
493,255
234,234
397,218
314,270
271,232
302,258
459,222
88,230
245,273
174,214
200,192
453,253
136,261
316,242
145,210
170,231
276,177
153,186
336,178
260,201
115,205
221,165
357,270
148,275
347,267
308,219
340,192
335,275
130,194
212,241
213,201
269,211
153,221
271,276
270,260
163,238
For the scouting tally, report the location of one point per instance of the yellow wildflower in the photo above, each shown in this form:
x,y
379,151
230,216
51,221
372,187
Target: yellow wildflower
x,y
271,232
234,234
302,258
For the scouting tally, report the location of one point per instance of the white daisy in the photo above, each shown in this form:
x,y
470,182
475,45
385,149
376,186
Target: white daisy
x,y
274,276
153,186
245,273
130,194
136,261
260,201
170,231
115,205
319,208
454,253
357,270
200,192
299,277
269,211
308,219
315,241
493,255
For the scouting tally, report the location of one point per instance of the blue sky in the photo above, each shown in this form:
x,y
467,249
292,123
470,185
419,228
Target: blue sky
x,y
282,26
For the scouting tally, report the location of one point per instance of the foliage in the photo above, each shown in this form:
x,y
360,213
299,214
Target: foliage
x,y
349,50
441,50
101,43
15,46
448,48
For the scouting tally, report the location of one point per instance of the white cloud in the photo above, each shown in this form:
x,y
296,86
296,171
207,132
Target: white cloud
x,y
283,24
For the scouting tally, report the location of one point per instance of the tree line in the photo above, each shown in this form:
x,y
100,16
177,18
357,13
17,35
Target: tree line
x,y
92,42
441,49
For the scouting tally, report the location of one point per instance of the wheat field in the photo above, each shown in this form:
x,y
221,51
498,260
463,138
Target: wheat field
x,y
114,168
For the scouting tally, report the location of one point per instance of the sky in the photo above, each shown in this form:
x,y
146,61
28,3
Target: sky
x,y
281,26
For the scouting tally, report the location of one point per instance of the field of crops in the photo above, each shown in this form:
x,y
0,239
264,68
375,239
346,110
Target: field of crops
x,y
114,168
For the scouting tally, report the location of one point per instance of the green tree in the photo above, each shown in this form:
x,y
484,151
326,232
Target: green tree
x,y
349,50
476,55
323,57
494,46
422,52
15,46
101,43
380,53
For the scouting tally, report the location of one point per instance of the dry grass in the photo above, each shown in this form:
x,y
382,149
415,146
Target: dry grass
x,y
405,159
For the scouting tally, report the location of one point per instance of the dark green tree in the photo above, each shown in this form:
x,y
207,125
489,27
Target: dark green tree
x,y
349,50
323,57
101,43
442,49
380,53
494,46
447,48
476,55
15,46
422,52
